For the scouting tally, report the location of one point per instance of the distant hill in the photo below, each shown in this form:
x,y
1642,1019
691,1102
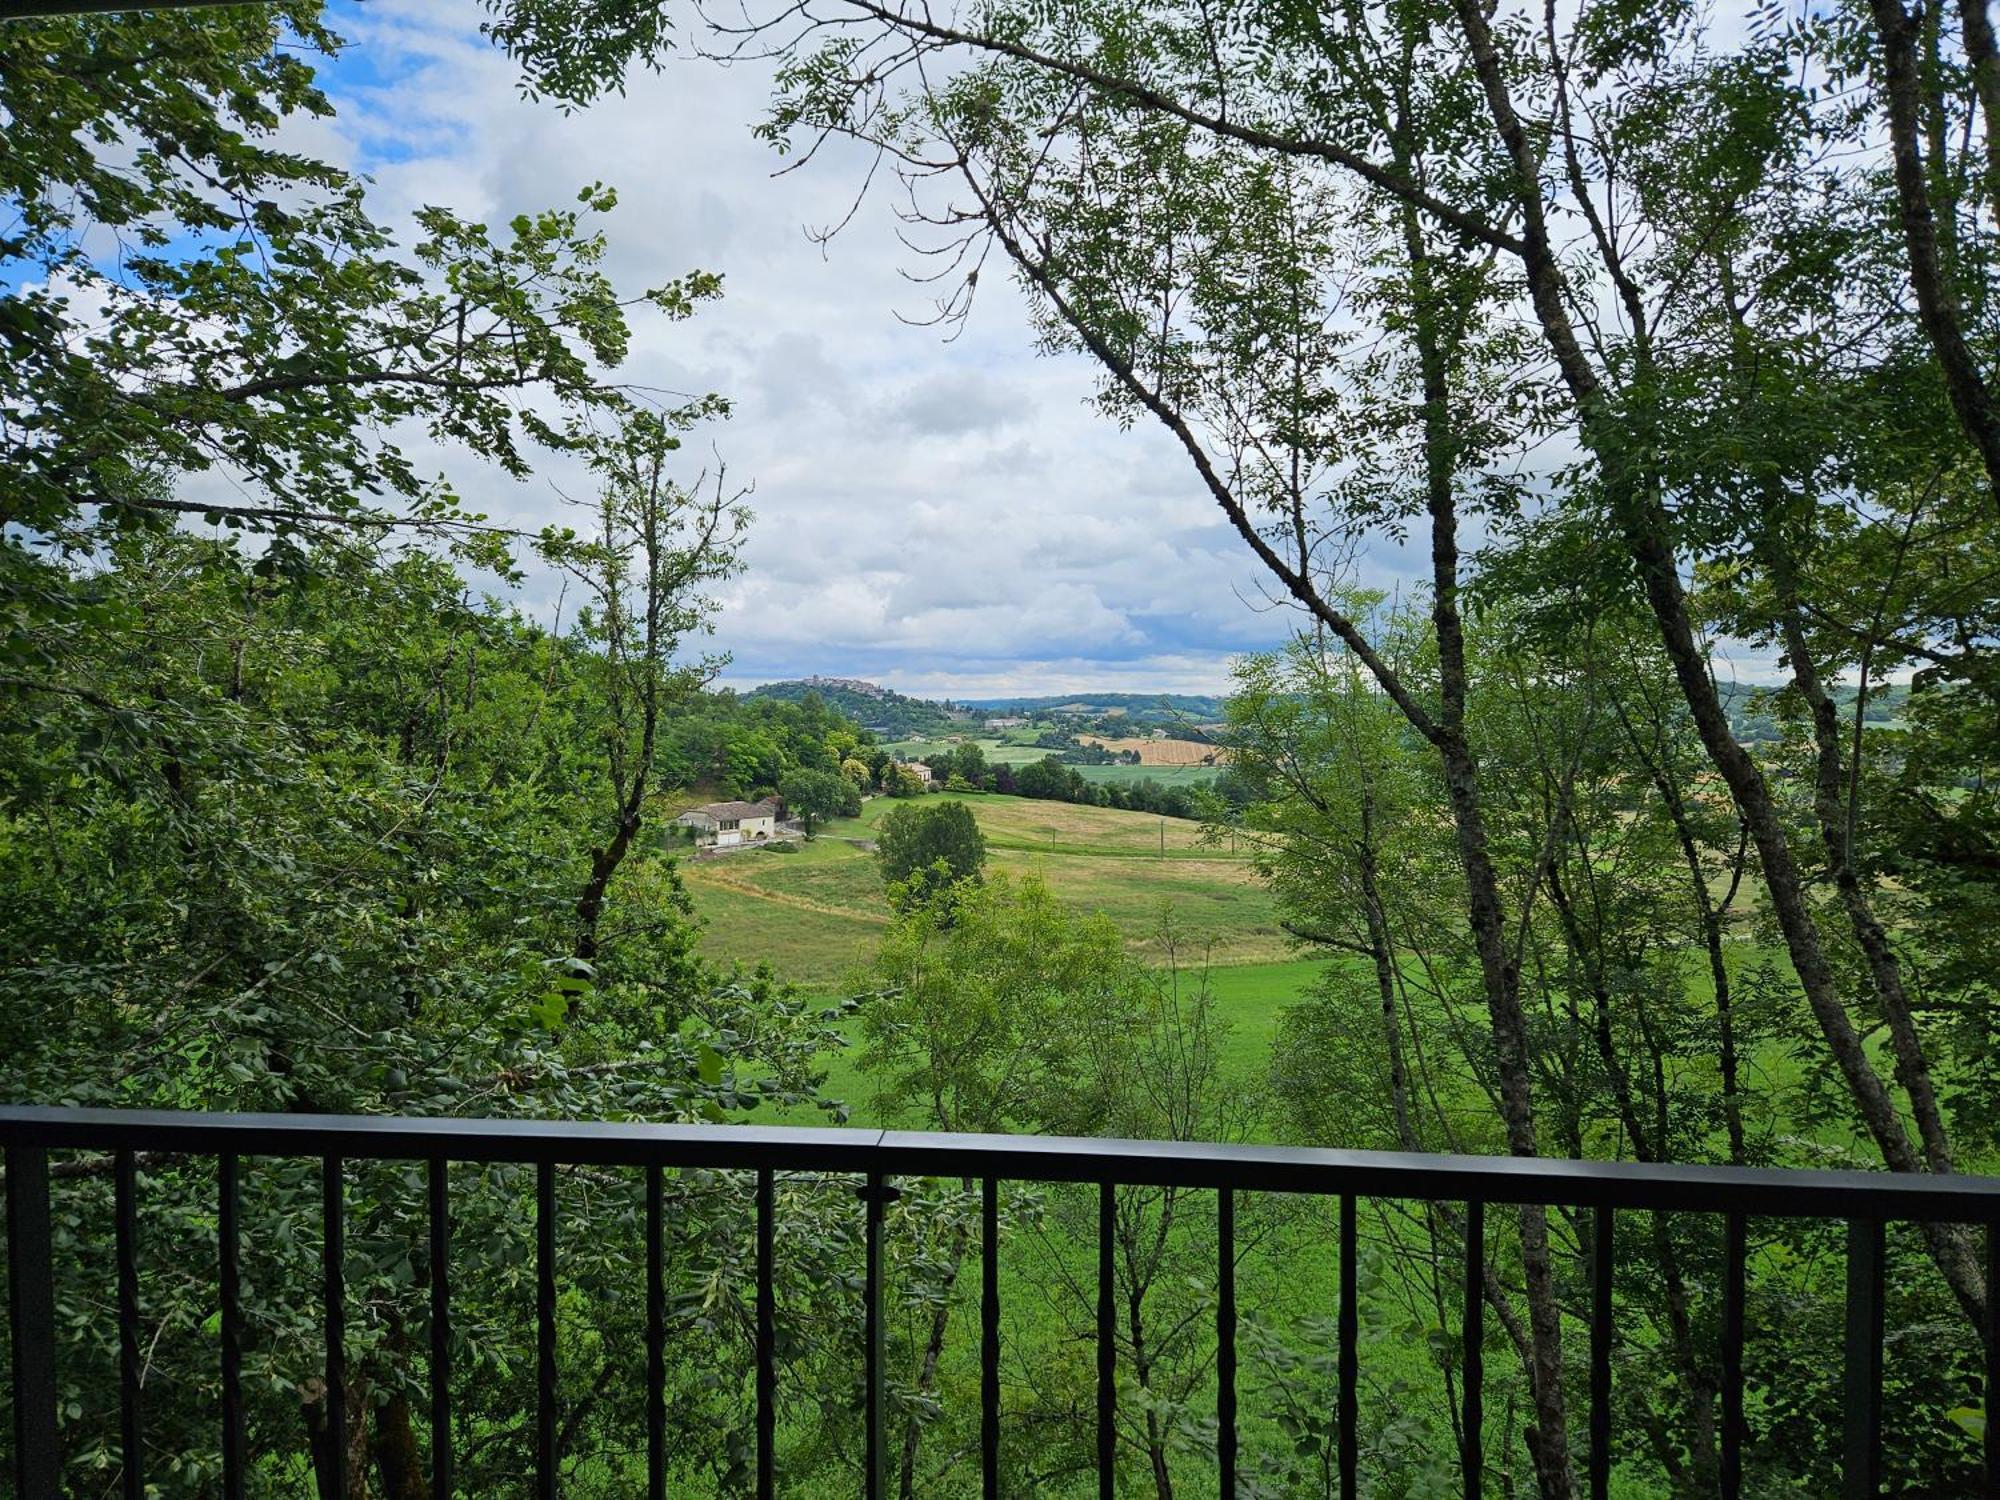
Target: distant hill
x,y
1753,710
1144,708
889,713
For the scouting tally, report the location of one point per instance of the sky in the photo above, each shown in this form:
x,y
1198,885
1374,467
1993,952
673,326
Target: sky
x,y
946,517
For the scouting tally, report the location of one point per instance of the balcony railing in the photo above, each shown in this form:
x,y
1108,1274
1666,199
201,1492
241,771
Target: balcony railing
x,y
1866,1201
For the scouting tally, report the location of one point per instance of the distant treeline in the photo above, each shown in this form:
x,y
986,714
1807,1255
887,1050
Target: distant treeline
x,y
1164,710
1754,710
1050,779
745,745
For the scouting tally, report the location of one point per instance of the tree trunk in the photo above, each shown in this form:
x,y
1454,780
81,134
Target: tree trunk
x,y
1548,1436
1645,528
319,1439
933,1351
397,1458
604,864
1937,304
1385,978
1977,30
1142,1373
1710,913
1647,1146
1950,1245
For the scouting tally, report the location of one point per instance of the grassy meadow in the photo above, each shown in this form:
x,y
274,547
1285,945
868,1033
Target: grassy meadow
x,y
817,915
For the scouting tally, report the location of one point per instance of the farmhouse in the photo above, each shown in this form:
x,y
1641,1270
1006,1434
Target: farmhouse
x,y
723,825
919,770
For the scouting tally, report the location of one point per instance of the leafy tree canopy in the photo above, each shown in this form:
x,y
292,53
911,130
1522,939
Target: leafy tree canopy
x,y
926,848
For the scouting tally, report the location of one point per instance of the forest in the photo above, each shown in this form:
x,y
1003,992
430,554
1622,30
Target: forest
x,y
1661,338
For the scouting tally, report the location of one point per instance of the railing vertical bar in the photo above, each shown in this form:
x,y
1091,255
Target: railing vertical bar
x,y
1861,1471
767,1324
1473,1396
125,1190
1225,1340
1107,1353
441,1440
333,1253
31,1320
545,1330
1350,1367
1734,1256
874,1358
229,1237
1993,1357
989,1339
656,1338
1600,1354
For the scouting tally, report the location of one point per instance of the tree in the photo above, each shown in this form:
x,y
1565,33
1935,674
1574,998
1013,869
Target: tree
x,y
968,762
818,795
1048,779
901,781
304,824
330,826
1005,1011
261,323
925,850
656,546
1425,214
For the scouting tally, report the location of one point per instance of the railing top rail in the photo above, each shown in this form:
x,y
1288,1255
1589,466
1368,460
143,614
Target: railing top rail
x,y
1297,1169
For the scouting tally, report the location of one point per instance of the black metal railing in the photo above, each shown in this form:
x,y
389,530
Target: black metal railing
x,y
1865,1201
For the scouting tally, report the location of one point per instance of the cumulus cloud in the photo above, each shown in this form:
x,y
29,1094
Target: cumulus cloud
x,y
946,517
964,402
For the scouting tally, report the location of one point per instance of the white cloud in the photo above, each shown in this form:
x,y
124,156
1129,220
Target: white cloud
x,y
946,516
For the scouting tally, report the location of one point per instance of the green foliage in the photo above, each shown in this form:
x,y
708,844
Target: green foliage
x,y
302,825
890,715
317,845
1006,1010
981,1019
901,781
816,795
258,321
922,851
967,762
747,746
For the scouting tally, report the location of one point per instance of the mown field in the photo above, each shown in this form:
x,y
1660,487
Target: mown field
x,y
1013,747
1159,752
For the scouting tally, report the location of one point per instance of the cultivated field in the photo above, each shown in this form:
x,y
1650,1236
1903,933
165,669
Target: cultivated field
x,y
1154,752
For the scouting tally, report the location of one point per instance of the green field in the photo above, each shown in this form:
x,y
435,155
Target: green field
x,y
1016,747
817,915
